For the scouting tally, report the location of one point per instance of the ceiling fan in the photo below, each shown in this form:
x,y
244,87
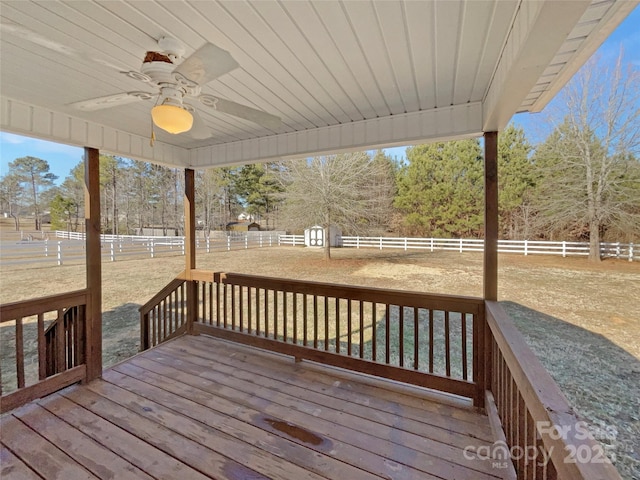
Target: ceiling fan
x,y
178,86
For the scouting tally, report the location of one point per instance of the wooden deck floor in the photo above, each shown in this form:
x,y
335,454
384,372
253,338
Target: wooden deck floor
x,y
198,408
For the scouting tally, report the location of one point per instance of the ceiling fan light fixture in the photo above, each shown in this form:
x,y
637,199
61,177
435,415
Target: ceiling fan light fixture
x,y
172,118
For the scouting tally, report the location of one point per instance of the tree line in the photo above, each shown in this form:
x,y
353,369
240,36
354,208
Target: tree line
x,y
581,183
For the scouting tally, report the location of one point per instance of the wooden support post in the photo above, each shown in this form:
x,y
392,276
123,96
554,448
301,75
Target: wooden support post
x,y
94,263
491,216
190,247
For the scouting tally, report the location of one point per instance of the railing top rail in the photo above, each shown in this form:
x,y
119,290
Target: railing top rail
x,y
368,294
547,405
25,308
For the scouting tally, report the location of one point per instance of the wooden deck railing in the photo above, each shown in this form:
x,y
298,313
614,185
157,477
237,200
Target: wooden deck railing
x,y
165,315
58,349
544,436
427,340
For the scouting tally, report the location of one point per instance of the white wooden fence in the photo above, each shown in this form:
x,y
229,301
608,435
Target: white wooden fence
x,y
71,249
119,247
527,247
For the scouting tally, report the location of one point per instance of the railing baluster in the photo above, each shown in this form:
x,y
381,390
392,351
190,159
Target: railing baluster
x,y
19,353
401,335
285,323
361,312
387,334
211,300
416,338
304,320
217,304
349,326
248,309
337,317
257,311
241,313
326,323
224,305
447,344
315,321
233,307
430,340
295,318
275,314
61,364
374,339
42,349
266,313
463,336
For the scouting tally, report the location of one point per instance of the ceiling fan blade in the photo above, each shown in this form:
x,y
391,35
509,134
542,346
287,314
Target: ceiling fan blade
x,y
265,119
111,101
199,130
206,64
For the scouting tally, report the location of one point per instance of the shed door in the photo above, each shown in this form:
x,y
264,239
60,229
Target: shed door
x,y
316,236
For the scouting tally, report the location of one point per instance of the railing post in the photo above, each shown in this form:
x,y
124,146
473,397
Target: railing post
x,y
618,250
431,239
526,248
190,247
564,248
59,253
460,245
144,331
631,252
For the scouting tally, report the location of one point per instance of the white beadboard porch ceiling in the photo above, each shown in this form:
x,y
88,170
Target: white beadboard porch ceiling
x,y
342,75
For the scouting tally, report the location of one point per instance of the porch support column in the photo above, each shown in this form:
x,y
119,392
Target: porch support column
x,y
190,246
491,216
93,352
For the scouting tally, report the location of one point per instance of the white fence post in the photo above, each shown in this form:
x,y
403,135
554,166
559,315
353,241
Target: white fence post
x,y
59,253
461,245
564,249
46,248
228,243
526,248
431,243
380,243
208,244
358,241
260,236
618,250
152,252
246,241
405,244
271,239
631,252
112,252
182,249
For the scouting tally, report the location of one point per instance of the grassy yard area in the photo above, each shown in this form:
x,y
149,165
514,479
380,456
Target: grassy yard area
x,y
582,320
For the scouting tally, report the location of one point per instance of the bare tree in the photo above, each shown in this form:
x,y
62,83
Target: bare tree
x,y
352,190
591,173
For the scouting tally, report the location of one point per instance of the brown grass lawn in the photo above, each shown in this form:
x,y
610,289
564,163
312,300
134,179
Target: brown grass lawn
x,y
582,320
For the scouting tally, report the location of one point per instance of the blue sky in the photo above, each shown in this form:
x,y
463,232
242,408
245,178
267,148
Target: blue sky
x,y
62,158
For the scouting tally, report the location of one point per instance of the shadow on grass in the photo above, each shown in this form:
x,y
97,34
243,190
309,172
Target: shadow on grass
x,y
600,380
120,333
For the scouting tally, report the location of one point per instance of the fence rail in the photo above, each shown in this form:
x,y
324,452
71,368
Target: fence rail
x,y
118,247
627,251
72,248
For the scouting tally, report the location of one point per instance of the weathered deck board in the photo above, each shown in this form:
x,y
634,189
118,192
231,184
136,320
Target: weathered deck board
x,y
198,408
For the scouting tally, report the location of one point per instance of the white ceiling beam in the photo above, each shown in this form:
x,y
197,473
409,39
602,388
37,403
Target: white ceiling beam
x,y
462,121
539,30
24,119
